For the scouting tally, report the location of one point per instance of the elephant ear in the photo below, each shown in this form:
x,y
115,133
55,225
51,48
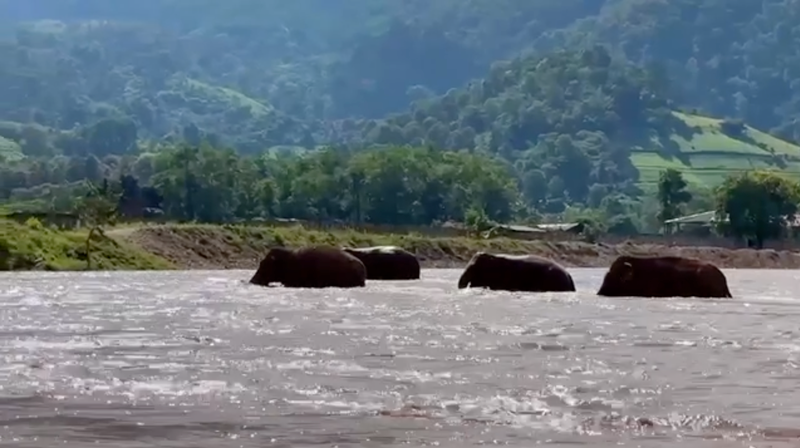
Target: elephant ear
x,y
481,258
626,271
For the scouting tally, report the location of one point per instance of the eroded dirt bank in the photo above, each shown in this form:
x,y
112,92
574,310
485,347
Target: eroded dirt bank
x,y
232,247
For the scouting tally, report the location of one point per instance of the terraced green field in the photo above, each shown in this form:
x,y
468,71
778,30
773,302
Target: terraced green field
x,y
9,149
710,155
227,96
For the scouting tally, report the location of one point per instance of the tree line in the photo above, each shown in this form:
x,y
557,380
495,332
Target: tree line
x,y
396,186
120,92
399,185
755,206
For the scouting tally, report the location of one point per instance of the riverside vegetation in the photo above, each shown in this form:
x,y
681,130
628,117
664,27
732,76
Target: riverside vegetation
x,y
396,112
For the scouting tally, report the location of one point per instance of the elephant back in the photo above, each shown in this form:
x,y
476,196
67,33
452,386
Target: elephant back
x,y
387,262
663,276
326,266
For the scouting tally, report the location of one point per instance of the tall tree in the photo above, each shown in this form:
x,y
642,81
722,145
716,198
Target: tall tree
x,y
672,194
97,210
758,205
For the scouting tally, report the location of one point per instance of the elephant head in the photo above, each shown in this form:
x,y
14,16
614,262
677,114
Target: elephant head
x,y
273,267
617,278
477,262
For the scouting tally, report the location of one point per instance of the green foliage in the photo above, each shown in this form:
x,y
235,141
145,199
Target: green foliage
x,y
758,205
25,246
399,185
562,139
101,90
672,194
97,210
34,223
732,58
476,220
9,149
733,128
99,207
709,155
592,228
315,57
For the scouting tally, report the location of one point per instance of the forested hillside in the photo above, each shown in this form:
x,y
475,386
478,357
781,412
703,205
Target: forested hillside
x,y
583,101
731,58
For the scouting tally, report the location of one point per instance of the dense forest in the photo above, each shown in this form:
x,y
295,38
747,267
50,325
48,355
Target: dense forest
x,y
399,186
562,102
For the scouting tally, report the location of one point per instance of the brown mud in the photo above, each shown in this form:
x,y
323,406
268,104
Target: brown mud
x,y
241,247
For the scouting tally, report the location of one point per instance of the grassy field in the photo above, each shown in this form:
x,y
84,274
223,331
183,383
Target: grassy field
x,y
710,155
227,96
9,149
33,246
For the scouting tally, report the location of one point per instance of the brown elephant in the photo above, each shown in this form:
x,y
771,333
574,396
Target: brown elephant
x,y
387,262
516,273
667,276
310,267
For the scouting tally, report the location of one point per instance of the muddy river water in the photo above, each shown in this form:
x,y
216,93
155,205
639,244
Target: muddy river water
x,y
201,359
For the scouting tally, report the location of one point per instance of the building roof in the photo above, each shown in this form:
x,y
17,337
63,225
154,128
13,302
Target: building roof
x,y
519,228
710,217
698,218
541,228
565,226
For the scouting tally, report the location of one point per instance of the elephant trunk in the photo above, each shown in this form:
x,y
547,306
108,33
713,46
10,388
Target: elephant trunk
x,y
466,277
265,274
571,283
261,277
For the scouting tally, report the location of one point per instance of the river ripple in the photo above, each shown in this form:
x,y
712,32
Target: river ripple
x,y
200,359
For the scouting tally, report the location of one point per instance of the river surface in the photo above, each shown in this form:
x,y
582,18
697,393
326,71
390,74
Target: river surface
x,y
201,359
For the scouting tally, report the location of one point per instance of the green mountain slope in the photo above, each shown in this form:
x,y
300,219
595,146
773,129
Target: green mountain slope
x,y
575,121
576,124
710,154
72,62
728,58
316,59
227,98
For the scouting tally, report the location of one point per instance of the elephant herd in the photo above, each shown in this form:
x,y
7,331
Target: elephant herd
x,y
628,276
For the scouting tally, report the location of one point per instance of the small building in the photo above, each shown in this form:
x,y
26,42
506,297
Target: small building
x,y
514,231
567,227
703,223
539,231
698,223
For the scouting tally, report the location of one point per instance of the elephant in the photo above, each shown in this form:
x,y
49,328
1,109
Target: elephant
x,y
663,276
528,273
310,267
387,262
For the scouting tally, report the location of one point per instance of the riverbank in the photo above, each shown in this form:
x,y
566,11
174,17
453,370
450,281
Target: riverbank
x,y
32,246
240,247
197,246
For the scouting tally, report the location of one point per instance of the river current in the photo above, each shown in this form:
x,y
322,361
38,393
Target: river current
x,y
202,359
